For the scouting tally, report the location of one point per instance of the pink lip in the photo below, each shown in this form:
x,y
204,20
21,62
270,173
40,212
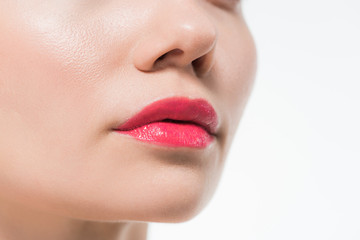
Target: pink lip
x,y
176,122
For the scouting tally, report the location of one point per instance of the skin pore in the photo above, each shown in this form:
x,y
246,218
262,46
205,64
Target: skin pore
x,y
71,71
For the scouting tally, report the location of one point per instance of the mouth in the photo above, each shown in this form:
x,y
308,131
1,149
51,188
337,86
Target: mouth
x,y
174,122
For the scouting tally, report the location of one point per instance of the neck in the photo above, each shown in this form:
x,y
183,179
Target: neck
x,y
18,223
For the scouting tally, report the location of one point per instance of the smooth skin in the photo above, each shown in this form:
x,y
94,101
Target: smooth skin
x,y
71,71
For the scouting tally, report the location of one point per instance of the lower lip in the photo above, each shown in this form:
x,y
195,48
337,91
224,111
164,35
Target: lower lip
x,y
172,134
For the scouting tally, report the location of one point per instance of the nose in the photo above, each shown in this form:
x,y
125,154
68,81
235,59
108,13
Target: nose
x,y
180,34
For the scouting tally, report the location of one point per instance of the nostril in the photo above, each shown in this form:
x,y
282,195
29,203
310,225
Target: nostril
x,y
199,65
161,57
197,62
174,52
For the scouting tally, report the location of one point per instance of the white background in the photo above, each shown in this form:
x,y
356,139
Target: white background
x,y
294,168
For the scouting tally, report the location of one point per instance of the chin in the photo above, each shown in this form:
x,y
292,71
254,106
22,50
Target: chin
x,y
176,197
179,204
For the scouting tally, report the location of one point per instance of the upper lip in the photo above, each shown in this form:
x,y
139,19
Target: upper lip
x,y
197,111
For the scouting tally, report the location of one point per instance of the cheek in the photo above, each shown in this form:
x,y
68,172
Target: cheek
x,y
235,70
45,108
36,94
52,71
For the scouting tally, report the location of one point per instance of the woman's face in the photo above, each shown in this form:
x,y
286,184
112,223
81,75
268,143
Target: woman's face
x,y
72,70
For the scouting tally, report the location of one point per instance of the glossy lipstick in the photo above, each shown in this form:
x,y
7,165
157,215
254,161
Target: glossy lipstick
x,y
175,122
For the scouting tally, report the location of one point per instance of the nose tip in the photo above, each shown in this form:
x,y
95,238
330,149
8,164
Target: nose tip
x,y
180,40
